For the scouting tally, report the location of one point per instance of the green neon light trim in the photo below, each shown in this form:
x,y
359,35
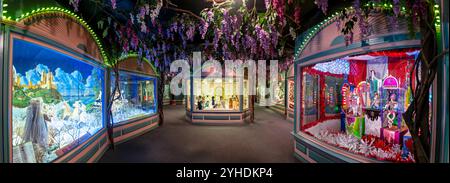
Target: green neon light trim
x,y
41,11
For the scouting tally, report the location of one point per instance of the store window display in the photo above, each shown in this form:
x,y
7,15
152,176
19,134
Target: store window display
x,y
137,96
57,102
356,103
217,94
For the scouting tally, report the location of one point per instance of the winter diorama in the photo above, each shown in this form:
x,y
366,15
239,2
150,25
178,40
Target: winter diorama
x,y
56,102
136,99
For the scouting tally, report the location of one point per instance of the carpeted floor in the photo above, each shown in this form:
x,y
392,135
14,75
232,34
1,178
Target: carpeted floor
x,y
177,141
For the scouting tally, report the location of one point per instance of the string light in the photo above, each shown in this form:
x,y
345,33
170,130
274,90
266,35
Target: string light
x,y
68,13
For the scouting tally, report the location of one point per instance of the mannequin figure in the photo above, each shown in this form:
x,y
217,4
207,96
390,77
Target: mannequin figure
x,y
36,130
391,108
374,82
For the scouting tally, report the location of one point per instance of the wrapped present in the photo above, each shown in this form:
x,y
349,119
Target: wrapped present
x,y
372,122
359,127
355,126
349,121
393,134
407,144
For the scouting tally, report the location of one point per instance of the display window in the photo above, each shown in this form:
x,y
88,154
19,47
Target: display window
x,y
246,100
290,89
356,103
217,94
137,97
188,94
279,89
166,92
57,102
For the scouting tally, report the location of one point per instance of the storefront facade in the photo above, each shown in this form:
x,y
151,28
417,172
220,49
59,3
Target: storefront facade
x,y
56,86
136,110
350,98
217,100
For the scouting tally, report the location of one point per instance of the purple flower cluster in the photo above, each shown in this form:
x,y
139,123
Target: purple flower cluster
x,y
267,3
278,5
297,12
362,21
190,33
113,4
396,7
322,4
204,25
75,4
418,8
264,39
250,43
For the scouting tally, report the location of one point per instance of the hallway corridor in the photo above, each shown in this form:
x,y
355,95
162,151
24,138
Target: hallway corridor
x,y
177,141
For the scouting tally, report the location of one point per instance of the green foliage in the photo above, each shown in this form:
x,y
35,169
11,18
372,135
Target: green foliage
x,y
22,97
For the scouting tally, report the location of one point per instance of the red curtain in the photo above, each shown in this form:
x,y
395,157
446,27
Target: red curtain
x,y
357,72
398,67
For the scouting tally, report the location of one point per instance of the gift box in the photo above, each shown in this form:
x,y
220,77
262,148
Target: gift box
x,y
349,124
359,127
393,134
372,122
355,126
407,144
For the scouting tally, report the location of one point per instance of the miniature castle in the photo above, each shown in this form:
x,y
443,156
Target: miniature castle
x,y
46,82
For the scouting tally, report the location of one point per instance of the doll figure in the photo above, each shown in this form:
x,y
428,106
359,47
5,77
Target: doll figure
x,y
222,102
376,101
391,104
391,108
375,82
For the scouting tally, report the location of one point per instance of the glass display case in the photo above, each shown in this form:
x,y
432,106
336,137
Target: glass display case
x,y
216,95
356,103
57,102
166,96
137,97
217,100
245,102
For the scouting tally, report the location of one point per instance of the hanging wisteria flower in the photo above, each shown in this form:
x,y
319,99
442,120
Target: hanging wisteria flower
x,y
131,18
267,3
362,21
75,4
278,5
292,33
113,4
143,27
141,15
203,28
155,12
396,7
297,13
190,32
217,38
322,4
